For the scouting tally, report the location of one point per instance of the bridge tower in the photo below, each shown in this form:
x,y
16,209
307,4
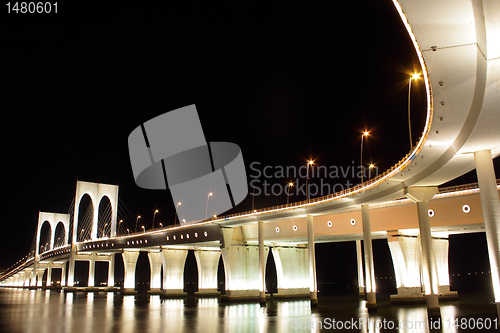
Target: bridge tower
x,y
96,192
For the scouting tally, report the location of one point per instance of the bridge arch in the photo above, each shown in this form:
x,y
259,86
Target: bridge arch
x,y
60,238
45,237
104,217
53,220
84,219
96,192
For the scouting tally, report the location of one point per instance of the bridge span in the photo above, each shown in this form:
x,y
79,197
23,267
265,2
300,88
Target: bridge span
x,y
456,42
451,211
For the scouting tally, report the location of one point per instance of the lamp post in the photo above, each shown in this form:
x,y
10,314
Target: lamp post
x,y
415,77
206,209
253,196
154,215
137,220
290,184
310,162
175,215
365,133
144,229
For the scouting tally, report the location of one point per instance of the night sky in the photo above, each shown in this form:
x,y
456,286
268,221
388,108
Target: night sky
x,y
286,83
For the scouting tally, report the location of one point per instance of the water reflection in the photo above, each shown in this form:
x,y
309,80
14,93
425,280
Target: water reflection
x,y
43,311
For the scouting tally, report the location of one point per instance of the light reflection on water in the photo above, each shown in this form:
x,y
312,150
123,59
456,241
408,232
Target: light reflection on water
x,y
53,312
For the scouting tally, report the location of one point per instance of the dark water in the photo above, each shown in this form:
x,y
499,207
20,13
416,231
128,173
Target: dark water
x,y
52,312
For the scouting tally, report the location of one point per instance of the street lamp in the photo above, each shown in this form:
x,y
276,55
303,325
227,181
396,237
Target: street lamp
x,y
154,215
175,215
371,166
310,162
144,229
206,209
137,220
415,77
365,133
290,184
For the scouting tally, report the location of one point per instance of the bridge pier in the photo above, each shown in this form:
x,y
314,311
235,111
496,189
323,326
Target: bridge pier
x,y
91,279
22,278
48,282
208,262
311,254
292,269
241,264
491,214
361,279
406,257
71,267
262,263
27,278
371,287
129,263
39,277
155,265
421,196
173,271
111,273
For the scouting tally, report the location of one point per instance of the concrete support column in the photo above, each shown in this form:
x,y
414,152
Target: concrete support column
x,y
27,281
421,196
292,269
49,275
173,271
208,263
155,262
111,271
361,278
91,280
22,278
491,214
34,274
313,285
441,250
262,264
39,277
241,264
406,258
71,265
429,263
129,263
63,275
371,288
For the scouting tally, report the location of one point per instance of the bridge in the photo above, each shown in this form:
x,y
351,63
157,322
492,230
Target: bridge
x,y
457,45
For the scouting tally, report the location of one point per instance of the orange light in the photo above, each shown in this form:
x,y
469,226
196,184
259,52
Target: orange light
x,y
415,76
